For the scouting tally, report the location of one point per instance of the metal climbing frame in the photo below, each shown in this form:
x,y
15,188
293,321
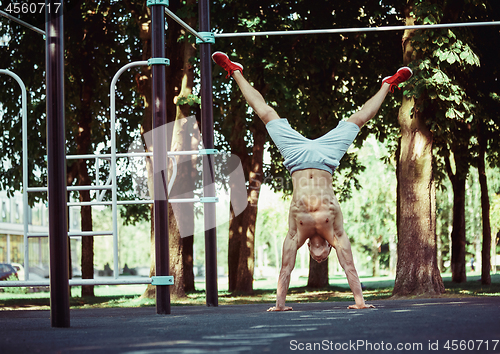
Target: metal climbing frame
x,y
109,185
56,165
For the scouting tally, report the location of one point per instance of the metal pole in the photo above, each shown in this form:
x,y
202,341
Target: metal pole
x,y
207,124
56,163
356,30
183,24
21,22
159,98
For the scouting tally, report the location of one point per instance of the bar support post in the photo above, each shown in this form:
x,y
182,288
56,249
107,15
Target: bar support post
x,y
56,163
159,97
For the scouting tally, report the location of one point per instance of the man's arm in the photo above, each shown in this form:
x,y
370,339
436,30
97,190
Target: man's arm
x,y
290,246
344,254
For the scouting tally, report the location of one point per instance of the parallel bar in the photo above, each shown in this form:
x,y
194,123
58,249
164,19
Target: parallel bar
x,y
90,233
207,127
88,188
159,97
77,282
71,188
355,30
73,233
56,163
183,24
93,203
133,154
15,19
130,202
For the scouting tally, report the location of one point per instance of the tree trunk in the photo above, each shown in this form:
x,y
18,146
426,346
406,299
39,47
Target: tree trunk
x,y
87,241
417,271
458,273
233,252
237,231
485,209
175,255
83,140
245,224
188,263
376,248
79,171
241,251
318,274
460,151
244,281
186,137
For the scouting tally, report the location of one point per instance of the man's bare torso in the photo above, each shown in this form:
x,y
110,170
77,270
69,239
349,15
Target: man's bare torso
x,y
314,209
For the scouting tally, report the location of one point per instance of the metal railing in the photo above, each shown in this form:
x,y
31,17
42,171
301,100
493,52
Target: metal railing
x,y
110,185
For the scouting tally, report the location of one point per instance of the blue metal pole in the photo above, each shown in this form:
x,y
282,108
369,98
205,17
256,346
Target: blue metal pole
x,y
56,163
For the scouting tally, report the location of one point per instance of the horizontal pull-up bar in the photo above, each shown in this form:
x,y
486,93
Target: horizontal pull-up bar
x,y
353,30
15,19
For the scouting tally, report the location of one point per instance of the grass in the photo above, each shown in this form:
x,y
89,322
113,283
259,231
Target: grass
x,y
129,295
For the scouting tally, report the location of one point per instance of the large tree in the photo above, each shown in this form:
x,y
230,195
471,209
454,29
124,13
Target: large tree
x,y
447,108
417,270
447,66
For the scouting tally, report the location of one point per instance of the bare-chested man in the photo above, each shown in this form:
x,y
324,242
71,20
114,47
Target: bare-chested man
x,y
315,214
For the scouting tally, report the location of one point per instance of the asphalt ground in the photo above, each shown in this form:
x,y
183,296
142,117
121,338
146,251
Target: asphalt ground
x,y
440,325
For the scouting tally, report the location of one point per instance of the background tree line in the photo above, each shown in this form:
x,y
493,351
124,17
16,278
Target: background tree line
x,y
444,123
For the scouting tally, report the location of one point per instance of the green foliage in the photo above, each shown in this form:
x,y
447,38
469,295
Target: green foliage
x,y
314,81
369,216
23,56
133,240
271,228
192,100
14,290
455,78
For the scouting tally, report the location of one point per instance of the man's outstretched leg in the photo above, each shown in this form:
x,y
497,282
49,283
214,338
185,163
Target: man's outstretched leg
x,y
371,107
252,96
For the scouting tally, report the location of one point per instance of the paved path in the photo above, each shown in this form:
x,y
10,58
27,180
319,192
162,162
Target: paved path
x,y
400,326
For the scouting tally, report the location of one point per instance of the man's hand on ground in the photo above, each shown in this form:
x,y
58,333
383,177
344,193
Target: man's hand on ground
x,y
364,306
274,308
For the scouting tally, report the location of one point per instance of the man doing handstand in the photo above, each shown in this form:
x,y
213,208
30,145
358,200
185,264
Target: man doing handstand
x,y
315,213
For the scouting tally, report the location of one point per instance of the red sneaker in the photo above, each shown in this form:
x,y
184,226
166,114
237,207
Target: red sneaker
x,y
222,60
400,76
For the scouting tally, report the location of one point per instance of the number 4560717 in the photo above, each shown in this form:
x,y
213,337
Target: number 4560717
x,y
32,8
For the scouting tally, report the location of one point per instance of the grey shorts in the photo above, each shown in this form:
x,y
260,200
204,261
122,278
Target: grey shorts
x,y
323,153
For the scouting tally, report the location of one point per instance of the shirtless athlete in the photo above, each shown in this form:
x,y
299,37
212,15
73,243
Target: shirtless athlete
x,y
315,213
